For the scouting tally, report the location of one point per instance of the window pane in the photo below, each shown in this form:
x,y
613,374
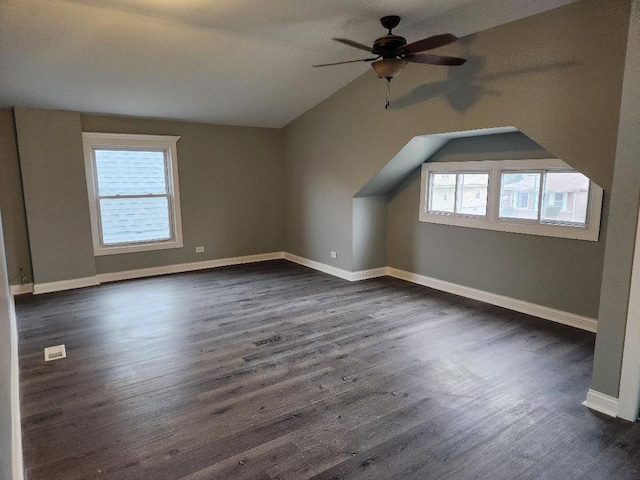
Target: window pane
x,y
473,188
565,197
130,172
519,193
442,194
134,220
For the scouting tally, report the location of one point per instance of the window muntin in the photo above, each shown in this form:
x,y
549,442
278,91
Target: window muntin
x,y
538,197
133,192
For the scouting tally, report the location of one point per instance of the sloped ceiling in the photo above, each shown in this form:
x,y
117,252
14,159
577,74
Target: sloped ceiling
x,y
413,154
235,62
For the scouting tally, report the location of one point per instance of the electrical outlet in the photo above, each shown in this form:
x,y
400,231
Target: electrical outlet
x,y
199,249
334,255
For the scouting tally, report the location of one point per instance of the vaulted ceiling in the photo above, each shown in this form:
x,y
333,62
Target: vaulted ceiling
x,y
235,62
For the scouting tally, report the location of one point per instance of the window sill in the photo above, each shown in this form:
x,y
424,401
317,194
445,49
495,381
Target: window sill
x,y
143,247
545,230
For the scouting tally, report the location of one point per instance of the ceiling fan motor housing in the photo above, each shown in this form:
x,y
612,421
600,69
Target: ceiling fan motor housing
x,y
393,53
386,46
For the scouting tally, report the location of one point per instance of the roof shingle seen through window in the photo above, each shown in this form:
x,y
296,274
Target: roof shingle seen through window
x,y
130,172
134,219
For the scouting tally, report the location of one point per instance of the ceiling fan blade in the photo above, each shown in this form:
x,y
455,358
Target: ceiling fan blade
x,y
348,61
427,44
435,59
351,43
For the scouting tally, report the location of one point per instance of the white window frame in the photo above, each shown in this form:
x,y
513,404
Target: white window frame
x,y
492,220
165,143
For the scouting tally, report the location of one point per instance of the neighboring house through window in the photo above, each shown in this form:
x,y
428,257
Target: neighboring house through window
x,y
538,197
132,182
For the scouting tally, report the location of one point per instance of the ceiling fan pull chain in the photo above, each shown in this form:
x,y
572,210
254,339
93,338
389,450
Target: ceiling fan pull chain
x,y
386,106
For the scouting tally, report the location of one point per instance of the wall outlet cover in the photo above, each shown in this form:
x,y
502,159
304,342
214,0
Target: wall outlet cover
x,y
199,249
334,255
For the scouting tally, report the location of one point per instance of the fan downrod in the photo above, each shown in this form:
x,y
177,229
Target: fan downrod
x,y
390,22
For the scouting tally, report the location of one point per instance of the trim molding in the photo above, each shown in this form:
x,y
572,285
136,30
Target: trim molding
x,y
367,274
49,287
602,403
548,313
17,465
167,144
21,289
186,267
629,392
335,271
491,220
540,311
321,267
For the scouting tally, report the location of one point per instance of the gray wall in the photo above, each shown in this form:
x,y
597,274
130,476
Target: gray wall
x,y
622,226
369,232
55,193
557,77
534,74
12,202
6,347
230,190
542,270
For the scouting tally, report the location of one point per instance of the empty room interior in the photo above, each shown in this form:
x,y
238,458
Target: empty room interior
x,y
231,249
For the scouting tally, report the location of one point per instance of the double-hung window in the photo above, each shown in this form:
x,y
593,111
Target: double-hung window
x,y
132,182
538,197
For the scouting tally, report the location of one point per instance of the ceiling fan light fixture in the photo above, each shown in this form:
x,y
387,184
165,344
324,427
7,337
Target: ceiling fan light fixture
x,y
395,52
389,67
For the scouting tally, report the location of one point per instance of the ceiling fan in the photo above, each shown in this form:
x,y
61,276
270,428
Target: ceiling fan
x,y
392,53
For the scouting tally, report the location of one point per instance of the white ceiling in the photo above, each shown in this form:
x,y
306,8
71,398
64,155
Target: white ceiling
x,y
235,62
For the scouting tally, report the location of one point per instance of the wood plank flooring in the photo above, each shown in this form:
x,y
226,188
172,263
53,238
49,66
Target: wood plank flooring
x,y
379,379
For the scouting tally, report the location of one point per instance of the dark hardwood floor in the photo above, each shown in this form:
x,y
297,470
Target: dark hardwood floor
x,y
377,379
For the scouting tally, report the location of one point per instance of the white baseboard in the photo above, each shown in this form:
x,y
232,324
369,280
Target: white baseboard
x,y
140,273
16,432
22,289
186,267
540,311
321,267
601,403
49,287
548,313
367,274
335,271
